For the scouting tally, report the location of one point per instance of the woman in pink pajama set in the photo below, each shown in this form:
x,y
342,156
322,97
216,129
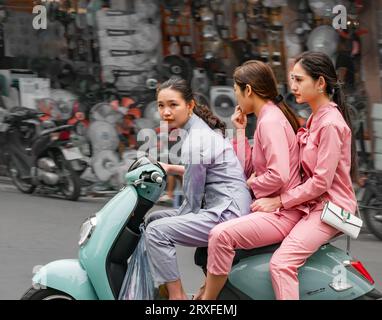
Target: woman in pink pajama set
x,y
272,167
327,157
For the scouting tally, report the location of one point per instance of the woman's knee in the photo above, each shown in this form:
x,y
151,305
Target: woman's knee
x,y
153,230
219,235
282,262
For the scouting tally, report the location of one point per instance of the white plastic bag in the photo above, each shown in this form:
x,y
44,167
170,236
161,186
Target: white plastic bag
x,y
138,283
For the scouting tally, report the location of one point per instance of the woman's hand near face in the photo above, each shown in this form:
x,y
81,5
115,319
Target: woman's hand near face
x,y
239,119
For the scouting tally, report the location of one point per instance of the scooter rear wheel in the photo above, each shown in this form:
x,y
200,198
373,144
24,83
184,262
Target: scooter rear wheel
x,y
45,294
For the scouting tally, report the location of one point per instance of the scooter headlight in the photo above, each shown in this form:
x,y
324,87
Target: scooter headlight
x,y
86,230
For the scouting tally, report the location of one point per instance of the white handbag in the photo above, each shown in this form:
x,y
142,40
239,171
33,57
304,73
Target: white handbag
x,y
341,219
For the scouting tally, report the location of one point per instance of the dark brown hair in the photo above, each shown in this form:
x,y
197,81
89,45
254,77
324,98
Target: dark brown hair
x,y
317,64
262,80
201,111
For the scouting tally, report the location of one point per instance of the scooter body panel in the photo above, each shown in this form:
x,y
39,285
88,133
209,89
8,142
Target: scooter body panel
x,y
67,276
110,221
324,268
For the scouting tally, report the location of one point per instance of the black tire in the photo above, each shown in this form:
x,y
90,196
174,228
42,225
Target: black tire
x,y
373,225
370,216
45,294
372,295
21,185
70,182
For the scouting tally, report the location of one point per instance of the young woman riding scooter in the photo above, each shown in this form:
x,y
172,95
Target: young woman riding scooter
x,y
327,157
214,184
272,167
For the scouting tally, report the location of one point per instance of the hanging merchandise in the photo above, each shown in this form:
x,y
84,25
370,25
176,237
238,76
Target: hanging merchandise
x,y
324,39
133,59
151,113
105,112
322,8
102,136
19,38
145,38
92,8
105,164
223,102
274,3
175,66
241,27
147,9
200,82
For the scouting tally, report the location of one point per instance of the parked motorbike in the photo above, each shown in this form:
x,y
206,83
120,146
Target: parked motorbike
x,y
108,239
371,202
37,157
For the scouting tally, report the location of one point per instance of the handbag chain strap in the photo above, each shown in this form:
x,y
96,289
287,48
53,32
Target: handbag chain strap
x,y
357,213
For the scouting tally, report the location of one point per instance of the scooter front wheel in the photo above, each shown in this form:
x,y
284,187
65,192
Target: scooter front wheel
x,y
45,294
20,184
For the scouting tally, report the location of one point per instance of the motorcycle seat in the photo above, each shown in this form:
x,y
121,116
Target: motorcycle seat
x,y
201,254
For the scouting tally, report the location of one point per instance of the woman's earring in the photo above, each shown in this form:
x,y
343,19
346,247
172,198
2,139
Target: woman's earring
x,y
321,91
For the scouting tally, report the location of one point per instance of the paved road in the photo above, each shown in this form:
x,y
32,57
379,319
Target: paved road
x,y
35,230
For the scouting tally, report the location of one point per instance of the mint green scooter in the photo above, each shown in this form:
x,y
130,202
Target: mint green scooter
x,y
108,239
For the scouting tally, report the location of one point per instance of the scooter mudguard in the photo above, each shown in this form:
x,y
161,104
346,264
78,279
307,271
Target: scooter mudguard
x,y
67,276
324,276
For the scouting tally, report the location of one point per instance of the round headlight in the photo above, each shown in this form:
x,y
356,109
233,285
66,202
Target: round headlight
x,y
86,230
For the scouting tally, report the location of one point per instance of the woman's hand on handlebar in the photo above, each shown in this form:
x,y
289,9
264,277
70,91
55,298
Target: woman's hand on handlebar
x,y
173,168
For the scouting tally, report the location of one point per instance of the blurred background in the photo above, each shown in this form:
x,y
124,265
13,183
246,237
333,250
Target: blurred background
x,y
87,70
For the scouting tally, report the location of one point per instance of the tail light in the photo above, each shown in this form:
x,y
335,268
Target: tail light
x,y
357,265
64,135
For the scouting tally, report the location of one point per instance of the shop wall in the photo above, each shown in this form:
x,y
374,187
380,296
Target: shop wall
x,y
370,59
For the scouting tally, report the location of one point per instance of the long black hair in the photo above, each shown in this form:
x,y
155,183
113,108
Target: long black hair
x,y
201,111
263,82
318,64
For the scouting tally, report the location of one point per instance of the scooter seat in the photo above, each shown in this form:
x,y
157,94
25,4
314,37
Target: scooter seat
x,y
201,254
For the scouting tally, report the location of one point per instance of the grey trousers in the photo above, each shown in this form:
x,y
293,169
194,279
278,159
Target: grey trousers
x,y
166,228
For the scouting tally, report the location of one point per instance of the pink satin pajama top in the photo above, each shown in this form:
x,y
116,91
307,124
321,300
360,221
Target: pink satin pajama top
x,y
325,157
274,155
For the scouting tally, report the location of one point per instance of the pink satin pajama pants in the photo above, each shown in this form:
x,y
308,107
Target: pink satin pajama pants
x,y
300,235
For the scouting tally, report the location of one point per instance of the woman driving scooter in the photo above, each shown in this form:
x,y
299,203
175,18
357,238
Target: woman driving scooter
x,y
214,184
272,167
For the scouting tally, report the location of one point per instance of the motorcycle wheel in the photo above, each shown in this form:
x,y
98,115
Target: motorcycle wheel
x,y
20,184
70,181
373,218
45,294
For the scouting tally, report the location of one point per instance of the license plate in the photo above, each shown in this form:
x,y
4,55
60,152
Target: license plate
x,y
4,127
72,153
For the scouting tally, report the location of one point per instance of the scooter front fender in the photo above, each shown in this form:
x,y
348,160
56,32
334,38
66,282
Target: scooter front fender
x,y
67,276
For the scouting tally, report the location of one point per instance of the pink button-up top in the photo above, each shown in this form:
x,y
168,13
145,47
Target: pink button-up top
x,y
274,156
325,157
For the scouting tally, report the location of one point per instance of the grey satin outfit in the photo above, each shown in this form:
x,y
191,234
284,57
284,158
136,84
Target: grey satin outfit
x,y
215,190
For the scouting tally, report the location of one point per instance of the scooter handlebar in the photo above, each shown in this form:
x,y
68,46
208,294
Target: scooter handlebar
x,y
156,177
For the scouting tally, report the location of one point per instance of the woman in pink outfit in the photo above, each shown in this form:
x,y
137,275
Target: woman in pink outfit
x,y
272,167
328,160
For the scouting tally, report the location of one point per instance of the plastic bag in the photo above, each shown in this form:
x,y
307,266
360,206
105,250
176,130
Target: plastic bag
x,y
138,283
